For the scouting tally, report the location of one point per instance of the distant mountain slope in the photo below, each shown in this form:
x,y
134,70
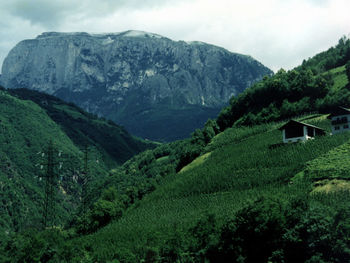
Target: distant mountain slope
x,y
26,128
144,81
113,141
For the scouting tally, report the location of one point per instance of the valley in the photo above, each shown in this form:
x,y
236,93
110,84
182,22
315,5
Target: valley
x,y
231,190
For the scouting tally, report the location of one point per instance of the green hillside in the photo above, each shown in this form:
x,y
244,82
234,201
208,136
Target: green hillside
x,y
339,77
188,216
319,84
229,179
26,129
113,141
232,192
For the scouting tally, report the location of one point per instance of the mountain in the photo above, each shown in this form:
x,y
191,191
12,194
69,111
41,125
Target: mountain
x,y
228,193
28,121
155,87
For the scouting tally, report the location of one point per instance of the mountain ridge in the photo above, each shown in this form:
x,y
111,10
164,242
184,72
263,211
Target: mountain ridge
x,y
107,74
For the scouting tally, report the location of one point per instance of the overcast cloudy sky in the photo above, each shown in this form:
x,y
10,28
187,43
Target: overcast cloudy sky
x,y
279,33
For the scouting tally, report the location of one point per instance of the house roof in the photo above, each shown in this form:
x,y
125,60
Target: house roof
x,y
338,111
293,123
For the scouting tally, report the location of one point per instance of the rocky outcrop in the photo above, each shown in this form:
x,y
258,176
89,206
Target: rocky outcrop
x,y
130,76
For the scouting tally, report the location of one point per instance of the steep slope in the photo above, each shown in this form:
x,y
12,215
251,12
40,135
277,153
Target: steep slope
x,y
26,129
131,77
114,143
241,175
319,84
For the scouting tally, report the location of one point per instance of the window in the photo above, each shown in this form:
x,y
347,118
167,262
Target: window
x,y
346,126
336,128
294,131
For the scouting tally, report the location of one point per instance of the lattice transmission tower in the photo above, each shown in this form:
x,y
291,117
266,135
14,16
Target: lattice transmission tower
x,y
51,160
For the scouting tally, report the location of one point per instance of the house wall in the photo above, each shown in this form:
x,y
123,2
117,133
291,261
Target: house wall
x,y
296,139
339,128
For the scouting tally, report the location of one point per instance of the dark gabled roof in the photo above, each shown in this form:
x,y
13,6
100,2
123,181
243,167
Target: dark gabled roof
x,y
338,111
293,123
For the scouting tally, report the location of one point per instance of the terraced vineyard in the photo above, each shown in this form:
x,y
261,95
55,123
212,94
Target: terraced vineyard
x,y
231,177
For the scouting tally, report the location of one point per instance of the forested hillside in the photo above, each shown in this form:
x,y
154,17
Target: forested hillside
x,y
319,84
230,193
26,130
83,128
240,199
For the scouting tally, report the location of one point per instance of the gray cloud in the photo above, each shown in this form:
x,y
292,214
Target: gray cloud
x,y
277,33
49,13
42,12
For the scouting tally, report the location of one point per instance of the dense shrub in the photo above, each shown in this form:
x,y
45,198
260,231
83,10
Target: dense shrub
x,y
271,230
104,210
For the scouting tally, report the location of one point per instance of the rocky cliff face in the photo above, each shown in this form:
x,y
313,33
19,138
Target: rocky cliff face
x,y
137,79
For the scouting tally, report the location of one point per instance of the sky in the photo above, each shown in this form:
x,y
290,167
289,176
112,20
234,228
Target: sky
x,y
278,33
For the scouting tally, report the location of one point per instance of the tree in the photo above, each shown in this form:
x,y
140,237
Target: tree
x,y
255,233
107,208
210,129
104,211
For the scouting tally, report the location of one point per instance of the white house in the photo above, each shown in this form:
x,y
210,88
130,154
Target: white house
x,y
340,120
295,131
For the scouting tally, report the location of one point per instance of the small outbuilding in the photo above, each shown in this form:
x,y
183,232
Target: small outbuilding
x,y
295,131
340,120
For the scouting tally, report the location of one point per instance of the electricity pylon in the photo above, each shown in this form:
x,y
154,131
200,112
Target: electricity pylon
x,y
51,178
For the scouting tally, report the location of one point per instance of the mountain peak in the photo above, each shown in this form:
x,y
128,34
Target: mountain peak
x,y
133,73
128,33
138,33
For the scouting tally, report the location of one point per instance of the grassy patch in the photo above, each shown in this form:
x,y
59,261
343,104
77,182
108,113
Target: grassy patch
x,y
331,186
339,78
163,159
198,161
